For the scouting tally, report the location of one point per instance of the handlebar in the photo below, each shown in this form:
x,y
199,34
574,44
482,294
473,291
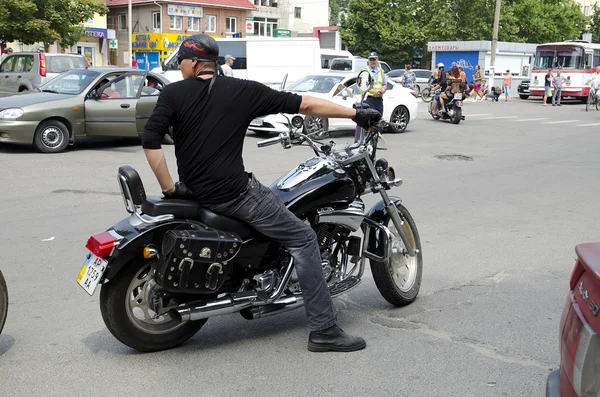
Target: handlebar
x,y
269,142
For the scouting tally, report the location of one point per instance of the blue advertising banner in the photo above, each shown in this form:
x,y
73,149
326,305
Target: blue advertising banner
x,y
467,59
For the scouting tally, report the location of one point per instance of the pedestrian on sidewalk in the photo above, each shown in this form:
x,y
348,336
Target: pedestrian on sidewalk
x,y
557,81
547,86
507,85
479,80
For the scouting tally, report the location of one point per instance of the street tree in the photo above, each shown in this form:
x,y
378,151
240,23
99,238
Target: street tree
x,y
542,21
594,27
389,27
46,21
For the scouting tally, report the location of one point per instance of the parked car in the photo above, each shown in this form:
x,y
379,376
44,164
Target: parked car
x,y
24,71
422,75
579,341
353,65
399,104
81,103
523,89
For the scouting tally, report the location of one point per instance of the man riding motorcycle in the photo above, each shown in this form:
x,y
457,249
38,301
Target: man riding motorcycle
x,y
210,115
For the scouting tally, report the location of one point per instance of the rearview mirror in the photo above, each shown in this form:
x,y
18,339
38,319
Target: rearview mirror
x,y
345,94
164,68
94,94
364,81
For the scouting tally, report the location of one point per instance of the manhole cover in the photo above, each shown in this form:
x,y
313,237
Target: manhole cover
x,y
453,157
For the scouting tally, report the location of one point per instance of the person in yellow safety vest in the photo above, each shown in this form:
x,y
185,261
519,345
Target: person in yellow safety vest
x,y
375,94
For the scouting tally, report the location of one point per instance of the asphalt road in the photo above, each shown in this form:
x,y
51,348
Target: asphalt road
x,y
498,236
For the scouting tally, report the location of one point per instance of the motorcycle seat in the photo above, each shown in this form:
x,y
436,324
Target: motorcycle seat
x,y
189,209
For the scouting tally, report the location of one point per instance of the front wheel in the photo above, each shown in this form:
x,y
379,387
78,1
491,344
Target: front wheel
x,y
124,303
523,96
3,301
589,102
315,124
51,136
426,95
399,118
398,279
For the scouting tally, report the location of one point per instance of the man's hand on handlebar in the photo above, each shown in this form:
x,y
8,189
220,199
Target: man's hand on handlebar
x,y
366,118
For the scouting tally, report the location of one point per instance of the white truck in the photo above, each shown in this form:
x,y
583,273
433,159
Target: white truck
x,y
268,60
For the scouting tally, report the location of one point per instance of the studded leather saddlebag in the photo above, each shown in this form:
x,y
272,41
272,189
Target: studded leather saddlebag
x,y
196,258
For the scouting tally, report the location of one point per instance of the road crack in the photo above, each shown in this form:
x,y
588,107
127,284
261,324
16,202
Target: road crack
x,y
481,348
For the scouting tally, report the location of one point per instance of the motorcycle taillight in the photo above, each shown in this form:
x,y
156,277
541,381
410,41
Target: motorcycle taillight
x,y
102,244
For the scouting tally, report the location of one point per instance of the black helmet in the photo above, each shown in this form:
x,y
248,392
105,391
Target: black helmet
x,y
200,47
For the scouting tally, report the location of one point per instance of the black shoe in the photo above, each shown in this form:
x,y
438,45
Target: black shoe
x,y
335,340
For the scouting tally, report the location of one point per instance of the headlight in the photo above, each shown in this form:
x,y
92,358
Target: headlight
x,y
11,113
297,121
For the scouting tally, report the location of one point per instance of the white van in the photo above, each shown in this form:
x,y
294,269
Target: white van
x,y
328,55
269,60
354,65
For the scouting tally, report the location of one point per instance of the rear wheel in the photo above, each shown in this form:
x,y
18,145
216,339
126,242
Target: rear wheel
x,y
456,115
127,313
398,279
3,301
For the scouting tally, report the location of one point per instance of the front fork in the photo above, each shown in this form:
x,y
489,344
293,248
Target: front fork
x,y
398,223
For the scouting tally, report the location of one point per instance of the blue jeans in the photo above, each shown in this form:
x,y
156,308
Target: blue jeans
x,y
557,92
260,208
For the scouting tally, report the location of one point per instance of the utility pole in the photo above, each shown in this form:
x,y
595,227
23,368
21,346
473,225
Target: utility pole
x,y
494,42
130,32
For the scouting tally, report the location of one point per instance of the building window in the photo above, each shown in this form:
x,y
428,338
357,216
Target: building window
x,y
210,23
265,26
175,22
586,10
297,12
122,22
264,3
193,24
156,20
110,22
231,25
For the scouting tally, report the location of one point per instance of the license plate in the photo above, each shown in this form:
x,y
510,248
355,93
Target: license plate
x,y
458,96
257,122
91,273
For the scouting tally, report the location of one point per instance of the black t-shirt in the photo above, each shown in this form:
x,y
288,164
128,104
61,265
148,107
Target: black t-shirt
x,y
547,83
209,132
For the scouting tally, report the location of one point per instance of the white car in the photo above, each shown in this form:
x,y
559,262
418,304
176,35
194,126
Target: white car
x,y
399,105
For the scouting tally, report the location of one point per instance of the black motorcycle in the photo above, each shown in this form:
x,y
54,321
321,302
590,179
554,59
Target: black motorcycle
x,y
172,264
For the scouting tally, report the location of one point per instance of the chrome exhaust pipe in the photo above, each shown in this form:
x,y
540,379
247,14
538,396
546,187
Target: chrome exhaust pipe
x,y
202,310
281,305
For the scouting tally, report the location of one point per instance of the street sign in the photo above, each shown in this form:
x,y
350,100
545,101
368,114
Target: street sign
x,y
283,33
249,26
113,44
